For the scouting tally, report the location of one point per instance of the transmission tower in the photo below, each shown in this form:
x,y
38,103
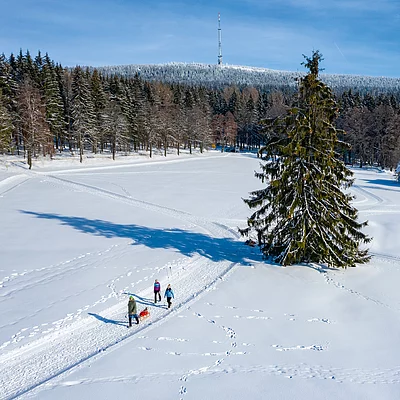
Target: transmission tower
x,y
219,41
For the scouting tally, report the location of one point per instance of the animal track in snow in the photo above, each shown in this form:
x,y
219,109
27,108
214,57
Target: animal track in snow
x,y
315,347
324,320
182,390
229,332
174,353
172,339
251,317
145,348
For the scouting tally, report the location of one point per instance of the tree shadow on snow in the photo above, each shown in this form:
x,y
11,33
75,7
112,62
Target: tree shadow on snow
x,y
106,320
393,184
186,242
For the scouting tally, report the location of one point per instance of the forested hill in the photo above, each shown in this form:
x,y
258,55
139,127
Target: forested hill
x,y
217,76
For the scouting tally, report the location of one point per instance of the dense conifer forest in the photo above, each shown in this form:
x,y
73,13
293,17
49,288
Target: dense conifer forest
x,y
46,108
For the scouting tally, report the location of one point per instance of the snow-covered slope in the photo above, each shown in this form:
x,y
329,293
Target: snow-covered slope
x,y
76,242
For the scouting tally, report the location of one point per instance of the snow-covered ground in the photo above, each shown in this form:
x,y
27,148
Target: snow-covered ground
x,y
76,241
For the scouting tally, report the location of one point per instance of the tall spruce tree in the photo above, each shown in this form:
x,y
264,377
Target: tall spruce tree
x,y
99,99
303,214
6,126
115,126
82,110
132,102
53,101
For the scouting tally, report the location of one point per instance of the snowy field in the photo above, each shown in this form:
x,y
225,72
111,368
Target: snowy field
x,y
76,241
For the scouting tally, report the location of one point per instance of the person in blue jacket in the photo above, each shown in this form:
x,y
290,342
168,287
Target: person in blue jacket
x,y
169,294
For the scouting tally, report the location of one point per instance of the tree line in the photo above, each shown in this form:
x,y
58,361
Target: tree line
x,y
46,108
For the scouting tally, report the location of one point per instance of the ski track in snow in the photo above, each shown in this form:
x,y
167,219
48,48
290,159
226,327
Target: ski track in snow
x,y
394,261
52,272
372,199
208,226
12,182
59,350
375,204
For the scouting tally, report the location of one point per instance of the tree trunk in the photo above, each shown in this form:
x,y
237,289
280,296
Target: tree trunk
x,y
29,158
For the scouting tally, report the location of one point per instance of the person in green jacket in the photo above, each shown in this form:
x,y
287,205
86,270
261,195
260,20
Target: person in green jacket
x,y
132,310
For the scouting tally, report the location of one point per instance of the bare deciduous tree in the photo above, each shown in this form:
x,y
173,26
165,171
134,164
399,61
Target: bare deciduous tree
x,y
35,129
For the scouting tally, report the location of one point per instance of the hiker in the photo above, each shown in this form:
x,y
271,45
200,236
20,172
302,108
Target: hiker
x,y
157,290
132,310
169,294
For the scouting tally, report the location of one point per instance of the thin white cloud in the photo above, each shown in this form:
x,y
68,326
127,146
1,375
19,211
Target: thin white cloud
x,y
338,5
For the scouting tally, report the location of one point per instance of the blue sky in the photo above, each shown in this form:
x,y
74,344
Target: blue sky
x,y
355,36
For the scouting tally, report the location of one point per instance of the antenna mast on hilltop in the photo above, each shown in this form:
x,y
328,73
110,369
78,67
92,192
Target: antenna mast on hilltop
x,y
219,41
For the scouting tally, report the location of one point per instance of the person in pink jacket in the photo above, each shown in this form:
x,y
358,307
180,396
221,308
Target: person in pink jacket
x,y
157,290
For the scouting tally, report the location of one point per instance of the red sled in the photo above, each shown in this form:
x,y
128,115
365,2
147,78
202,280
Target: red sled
x,y
144,314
